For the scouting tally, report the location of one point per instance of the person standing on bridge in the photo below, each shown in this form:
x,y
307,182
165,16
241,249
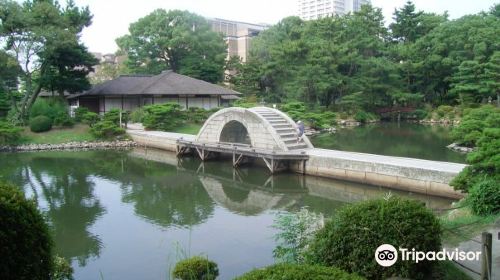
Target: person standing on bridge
x,y
300,130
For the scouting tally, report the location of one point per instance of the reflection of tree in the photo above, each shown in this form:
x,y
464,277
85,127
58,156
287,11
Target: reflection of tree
x,y
63,183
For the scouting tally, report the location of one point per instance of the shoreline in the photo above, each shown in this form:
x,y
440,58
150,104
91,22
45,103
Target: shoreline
x,y
70,146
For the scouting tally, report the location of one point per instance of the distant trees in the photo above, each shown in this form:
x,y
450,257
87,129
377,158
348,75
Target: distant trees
x,y
43,37
354,62
176,40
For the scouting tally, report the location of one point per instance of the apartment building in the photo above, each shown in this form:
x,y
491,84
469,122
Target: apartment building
x,y
238,35
314,9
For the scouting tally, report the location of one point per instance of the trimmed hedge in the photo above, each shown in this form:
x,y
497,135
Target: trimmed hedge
x,y
26,245
350,239
298,272
196,268
40,124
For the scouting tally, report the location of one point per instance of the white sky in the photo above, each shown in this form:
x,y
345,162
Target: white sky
x,y
112,17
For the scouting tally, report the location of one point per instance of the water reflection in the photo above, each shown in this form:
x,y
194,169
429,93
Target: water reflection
x,y
61,186
393,139
119,212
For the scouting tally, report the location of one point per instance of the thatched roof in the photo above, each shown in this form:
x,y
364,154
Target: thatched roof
x,y
166,83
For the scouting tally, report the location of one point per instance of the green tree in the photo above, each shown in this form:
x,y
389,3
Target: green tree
x,y
467,83
492,75
176,40
9,73
44,38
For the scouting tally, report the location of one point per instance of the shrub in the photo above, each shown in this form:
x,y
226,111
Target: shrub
x,y
40,124
51,107
350,239
420,114
196,268
62,269
90,118
137,115
198,115
162,116
361,116
63,119
445,111
484,197
9,134
26,243
298,272
473,123
80,112
484,162
295,232
106,130
113,115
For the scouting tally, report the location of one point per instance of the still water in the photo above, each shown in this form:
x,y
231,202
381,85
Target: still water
x,y
393,139
133,214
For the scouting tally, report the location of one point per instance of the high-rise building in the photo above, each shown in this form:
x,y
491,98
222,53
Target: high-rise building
x,y
314,9
238,35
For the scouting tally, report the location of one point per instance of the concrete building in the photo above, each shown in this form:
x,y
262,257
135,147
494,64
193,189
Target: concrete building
x,y
314,9
238,35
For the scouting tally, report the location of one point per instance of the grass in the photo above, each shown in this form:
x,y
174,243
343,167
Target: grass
x,y
188,128
78,133
446,270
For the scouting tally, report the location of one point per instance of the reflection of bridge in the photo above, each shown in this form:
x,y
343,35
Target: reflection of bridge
x,y
259,132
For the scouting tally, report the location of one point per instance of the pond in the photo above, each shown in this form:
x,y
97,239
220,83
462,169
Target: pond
x,y
393,139
134,214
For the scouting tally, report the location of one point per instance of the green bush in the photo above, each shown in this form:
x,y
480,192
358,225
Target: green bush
x,y
361,116
350,239
90,118
162,116
445,111
298,272
26,245
80,112
63,119
137,115
484,197
473,123
51,107
196,268
40,124
420,114
198,115
106,130
9,134
484,162
113,115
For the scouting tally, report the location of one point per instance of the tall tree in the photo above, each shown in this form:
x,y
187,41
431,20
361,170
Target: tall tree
x,y
9,74
44,39
176,40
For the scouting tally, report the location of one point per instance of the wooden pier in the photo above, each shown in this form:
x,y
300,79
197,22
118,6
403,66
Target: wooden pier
x,y
276,161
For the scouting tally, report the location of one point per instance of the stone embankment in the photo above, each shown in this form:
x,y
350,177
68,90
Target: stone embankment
x,y
461,149
70,146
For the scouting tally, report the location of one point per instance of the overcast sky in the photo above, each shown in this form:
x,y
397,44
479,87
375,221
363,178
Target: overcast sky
x,y
112,17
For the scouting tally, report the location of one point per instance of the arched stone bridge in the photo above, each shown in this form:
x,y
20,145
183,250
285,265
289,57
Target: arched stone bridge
x,y
258,127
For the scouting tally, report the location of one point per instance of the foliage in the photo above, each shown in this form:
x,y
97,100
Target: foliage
x,y
298,272
295,232
474,122
176,40
24,236
9,134
198,115
79,112
63,119
350,238
44,37
313,118
113,116
53,108
9,74
137,115
106,129
162,116
484,197
62,269
40,124
363,117
90,118
484,162
196,268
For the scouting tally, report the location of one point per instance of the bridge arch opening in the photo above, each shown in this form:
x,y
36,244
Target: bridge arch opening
x,y
235,132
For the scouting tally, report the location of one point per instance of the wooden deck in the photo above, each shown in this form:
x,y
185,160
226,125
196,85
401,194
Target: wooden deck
x,y
275,160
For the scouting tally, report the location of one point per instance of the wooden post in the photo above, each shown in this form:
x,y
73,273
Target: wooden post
x,y
486,258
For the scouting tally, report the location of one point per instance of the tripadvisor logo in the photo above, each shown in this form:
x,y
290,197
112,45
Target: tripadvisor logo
x,y
387,255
